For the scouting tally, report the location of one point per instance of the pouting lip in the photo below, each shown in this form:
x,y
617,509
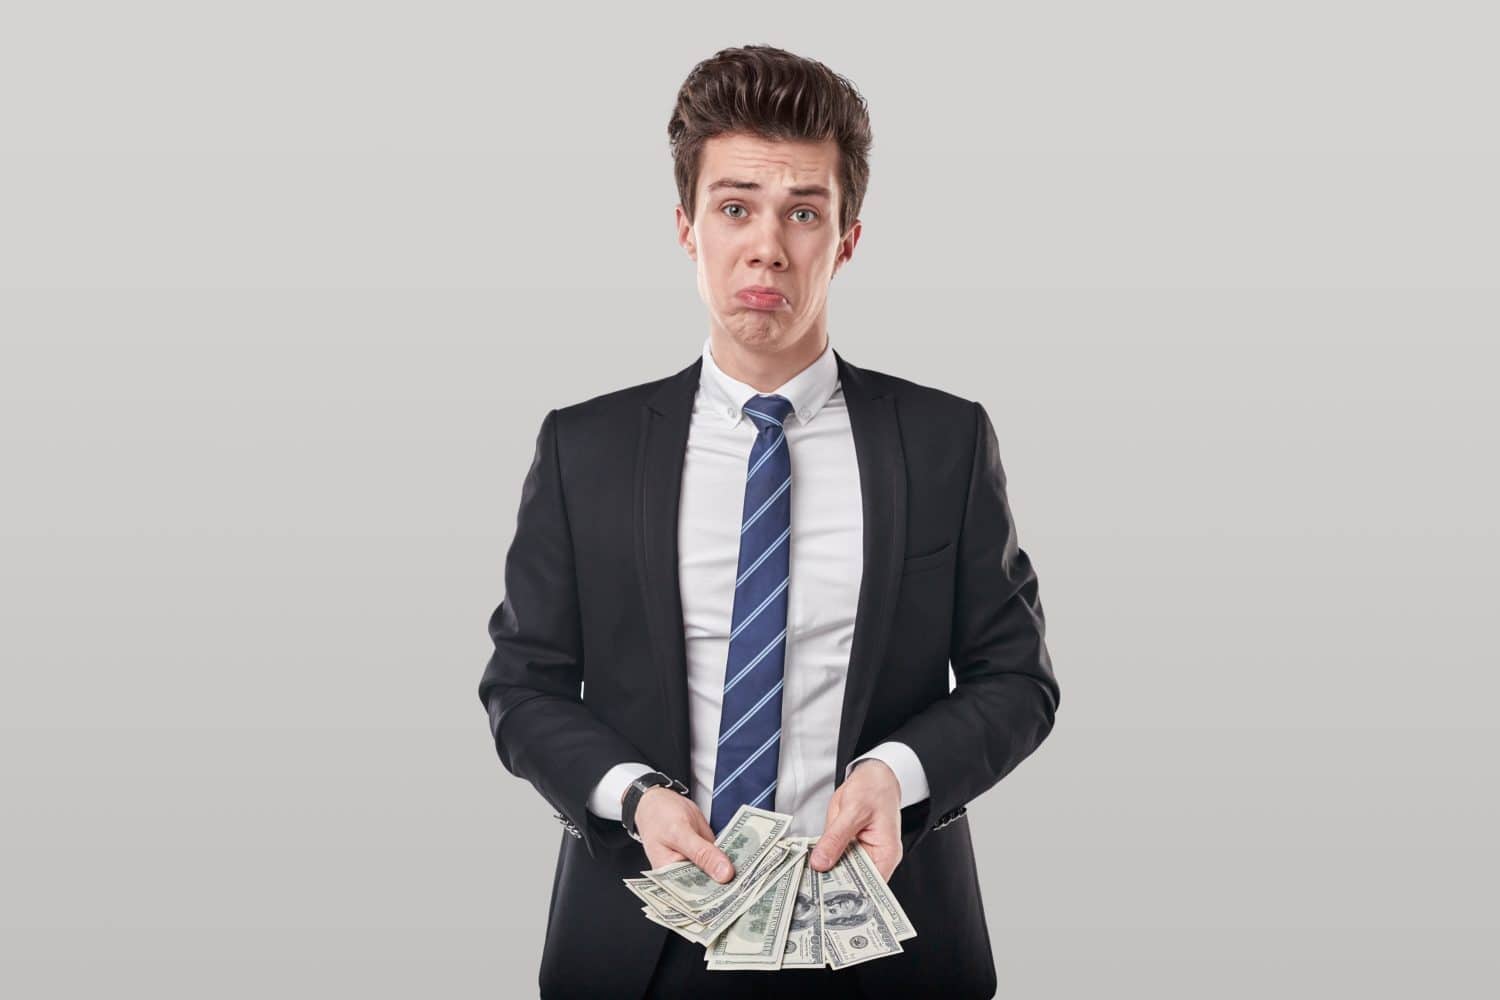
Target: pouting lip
x,y
762,290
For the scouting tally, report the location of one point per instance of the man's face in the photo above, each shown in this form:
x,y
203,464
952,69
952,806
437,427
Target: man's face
x,y
781,233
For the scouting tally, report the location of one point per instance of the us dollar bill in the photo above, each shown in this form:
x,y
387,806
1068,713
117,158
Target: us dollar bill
x,y
862,867
717,919
777,913
757,938
704,927
747,839
804,939
660,907
855,928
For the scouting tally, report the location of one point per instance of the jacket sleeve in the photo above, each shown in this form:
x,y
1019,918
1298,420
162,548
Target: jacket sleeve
x,y
533,684
1006,696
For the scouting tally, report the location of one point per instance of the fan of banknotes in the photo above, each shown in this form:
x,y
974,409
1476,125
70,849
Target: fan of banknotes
x,y
777,913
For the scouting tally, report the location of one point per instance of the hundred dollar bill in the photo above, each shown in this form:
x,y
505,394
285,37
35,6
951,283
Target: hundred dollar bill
x,y
777,913
672,920
788,855
757,938
746,839
797,849
804,939
705,927
656,918
659,903
855,928
716,920
862,867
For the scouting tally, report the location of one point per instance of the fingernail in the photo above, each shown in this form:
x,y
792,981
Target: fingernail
x,y
820,859
722,871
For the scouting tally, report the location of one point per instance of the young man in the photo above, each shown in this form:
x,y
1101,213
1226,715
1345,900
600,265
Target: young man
x,y
762,566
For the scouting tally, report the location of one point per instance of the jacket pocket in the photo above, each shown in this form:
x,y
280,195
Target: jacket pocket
x,y
927,560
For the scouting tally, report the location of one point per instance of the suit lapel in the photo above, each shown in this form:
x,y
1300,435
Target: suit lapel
x,y
662,448
662,445
882,487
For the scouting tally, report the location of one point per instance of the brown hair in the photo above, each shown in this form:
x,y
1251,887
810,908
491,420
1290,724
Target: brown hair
x,y
769,92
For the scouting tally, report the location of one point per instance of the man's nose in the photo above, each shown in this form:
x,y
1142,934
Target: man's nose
x,y
767,250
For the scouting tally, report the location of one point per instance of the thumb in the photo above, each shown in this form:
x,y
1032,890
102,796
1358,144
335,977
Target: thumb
x,y
836,837
706,855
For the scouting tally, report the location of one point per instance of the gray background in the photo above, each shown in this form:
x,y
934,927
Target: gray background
x,y
287,288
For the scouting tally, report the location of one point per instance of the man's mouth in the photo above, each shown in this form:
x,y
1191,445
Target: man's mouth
x,y
761,297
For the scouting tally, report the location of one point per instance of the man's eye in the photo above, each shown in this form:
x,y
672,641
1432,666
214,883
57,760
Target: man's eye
x,y
741,208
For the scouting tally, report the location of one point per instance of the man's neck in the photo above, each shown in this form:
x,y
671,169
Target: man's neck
x,y
765,372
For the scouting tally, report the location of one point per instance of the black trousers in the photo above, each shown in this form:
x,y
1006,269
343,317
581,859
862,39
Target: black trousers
x,y
681,972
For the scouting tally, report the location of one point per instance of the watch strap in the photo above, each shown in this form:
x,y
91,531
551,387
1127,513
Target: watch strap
x,y
638,787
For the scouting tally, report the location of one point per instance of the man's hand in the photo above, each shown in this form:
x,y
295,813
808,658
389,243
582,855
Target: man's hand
x,y
673,828
867,808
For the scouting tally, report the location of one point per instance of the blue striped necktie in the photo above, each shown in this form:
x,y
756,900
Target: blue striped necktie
x,y
750,721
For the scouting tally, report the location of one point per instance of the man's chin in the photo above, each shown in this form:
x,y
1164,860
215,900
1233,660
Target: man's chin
x,y
757,332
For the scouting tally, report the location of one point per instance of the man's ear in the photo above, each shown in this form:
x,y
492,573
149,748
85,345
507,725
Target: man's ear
x,y
685,232
846,246
851,238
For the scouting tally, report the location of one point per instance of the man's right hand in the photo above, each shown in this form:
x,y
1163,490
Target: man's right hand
x,y
673,828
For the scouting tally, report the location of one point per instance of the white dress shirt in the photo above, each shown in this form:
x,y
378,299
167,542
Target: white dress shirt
x,y
826,561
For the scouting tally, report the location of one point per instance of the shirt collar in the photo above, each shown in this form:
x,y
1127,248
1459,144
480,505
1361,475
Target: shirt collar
x,y
807,390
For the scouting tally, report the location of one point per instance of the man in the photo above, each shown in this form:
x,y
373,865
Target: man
x,y
751,577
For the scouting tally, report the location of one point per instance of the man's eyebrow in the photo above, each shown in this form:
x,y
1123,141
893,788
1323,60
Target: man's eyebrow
x,y
803,191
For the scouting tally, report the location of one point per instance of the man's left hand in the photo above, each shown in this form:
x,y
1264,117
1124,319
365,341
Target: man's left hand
x,y
867,808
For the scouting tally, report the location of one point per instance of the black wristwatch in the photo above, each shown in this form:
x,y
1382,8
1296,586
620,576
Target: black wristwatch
x,y
638,788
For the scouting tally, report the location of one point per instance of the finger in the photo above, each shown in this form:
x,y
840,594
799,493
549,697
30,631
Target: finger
x,y
700,826
881,840
885,860
835,806
818,857
830,846
706,855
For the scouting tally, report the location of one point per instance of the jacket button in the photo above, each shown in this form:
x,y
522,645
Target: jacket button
x,y
949,817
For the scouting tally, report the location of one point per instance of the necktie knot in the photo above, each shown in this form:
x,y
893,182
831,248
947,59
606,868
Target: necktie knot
x,y
768,410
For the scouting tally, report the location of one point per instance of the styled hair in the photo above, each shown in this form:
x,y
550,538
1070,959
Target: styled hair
x,y
771,93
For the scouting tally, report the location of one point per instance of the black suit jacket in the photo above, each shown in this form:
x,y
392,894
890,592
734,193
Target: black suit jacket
x,y
590,669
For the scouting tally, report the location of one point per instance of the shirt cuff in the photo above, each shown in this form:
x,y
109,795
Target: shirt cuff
x,y
904,761
604,800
